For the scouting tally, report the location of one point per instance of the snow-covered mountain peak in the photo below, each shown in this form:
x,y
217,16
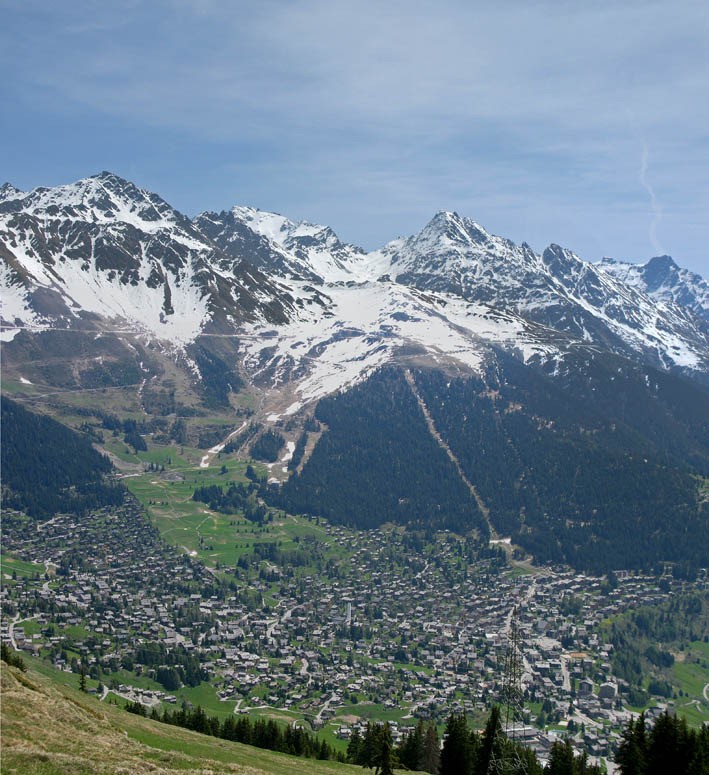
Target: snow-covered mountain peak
x,y
291,250
9,192
561,262
102,198
450,229
457,254
273,226
663,280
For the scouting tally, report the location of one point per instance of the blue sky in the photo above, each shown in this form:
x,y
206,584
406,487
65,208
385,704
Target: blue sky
x,y
585,124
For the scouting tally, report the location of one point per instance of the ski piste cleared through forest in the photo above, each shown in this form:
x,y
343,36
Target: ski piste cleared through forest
x,y
441,442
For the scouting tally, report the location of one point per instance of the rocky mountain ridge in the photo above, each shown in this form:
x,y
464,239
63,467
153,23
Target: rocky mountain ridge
x,y
662,279
103,247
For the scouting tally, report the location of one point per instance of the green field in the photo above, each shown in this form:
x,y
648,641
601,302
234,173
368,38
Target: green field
x,y
691,676
206,696
22,568
219,540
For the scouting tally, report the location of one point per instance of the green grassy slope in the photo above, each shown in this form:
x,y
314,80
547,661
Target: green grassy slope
x,y
51,729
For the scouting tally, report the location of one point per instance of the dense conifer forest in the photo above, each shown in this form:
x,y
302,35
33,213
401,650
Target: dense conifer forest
x,y
565,486
48,468
560,480
267,446
377,462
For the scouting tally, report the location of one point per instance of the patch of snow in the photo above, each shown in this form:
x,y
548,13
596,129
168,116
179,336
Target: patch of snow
x,y
290,449
8,334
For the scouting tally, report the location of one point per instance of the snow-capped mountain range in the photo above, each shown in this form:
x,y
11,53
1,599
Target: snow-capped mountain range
x,y
309,311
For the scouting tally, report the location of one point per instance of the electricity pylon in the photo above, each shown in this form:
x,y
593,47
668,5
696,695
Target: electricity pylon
x,y
505,758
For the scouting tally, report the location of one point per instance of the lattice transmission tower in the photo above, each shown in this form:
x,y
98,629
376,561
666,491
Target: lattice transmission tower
x,y
505,758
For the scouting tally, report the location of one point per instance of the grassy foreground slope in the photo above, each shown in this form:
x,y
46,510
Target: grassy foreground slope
x,y
50,729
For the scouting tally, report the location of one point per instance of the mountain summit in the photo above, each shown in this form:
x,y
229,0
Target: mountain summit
x,y
663,280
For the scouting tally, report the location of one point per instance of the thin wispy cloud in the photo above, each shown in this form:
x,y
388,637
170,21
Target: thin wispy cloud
x,y
654,205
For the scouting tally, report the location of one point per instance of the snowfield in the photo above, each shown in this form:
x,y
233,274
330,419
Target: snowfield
x,y
368,324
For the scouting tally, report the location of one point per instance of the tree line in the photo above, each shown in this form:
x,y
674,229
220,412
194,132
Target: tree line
x,y
261,733
666,747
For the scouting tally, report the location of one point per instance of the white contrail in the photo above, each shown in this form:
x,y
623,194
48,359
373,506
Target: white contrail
x,y
656,209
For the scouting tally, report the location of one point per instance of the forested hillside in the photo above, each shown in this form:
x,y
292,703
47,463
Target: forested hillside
x,y
578,472
48,468
599,472
377,462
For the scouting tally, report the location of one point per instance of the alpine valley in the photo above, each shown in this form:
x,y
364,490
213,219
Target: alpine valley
x,y
452,379
253,475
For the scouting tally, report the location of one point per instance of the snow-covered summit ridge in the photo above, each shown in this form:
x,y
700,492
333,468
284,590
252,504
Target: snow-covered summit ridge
x,y
663,280
294,250
109,248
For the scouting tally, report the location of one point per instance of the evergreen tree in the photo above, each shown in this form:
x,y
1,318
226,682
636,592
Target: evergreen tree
x,y
633,748
667,746
368,749
384,765
354,747
456,755
410,751
11,658
561,759
489,742
431,754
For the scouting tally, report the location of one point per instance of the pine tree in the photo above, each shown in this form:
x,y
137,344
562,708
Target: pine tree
x,y
431,754
493,730
633,748
561,759
354,748
384,754
411,749
456,755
